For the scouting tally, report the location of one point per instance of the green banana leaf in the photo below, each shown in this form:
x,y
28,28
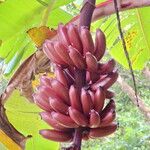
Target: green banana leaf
x,y
135,26
18,15
16,20
26,119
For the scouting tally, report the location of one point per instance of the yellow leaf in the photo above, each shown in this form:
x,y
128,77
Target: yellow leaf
x,y
51,74
8,142
36,82
2,1
39,35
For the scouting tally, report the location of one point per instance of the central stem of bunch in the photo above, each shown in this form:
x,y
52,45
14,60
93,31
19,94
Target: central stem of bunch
x,y
80,75
80,80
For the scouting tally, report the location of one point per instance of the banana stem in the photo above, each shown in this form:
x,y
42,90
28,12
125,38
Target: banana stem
x,y
86,13
80,75
80,78
77,139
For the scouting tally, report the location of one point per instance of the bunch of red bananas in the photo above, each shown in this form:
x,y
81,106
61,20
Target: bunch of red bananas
x,y
67,106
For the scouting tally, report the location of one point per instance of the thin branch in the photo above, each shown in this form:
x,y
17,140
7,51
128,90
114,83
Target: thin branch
x,y
46,13
125,48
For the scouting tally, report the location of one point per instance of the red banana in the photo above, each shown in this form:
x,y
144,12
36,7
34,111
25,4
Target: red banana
x,y
42,102
92,76
91,62
106,82
74,37
75,98
58,105
46,81
47,117
108,118
109,81
48,48
61,76
47,52
64,120
100,44
63,53
109,107
109,94
70,71
98,78
88,76
99,99
102,131
102,77
47,91
94,119
87,41
86,101
63,35
42,105
78,117
77,58
60,90
107,67
92,95
69,77
54,135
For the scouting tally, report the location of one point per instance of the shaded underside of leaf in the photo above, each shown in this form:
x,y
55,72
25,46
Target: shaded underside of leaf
x,y
25,118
